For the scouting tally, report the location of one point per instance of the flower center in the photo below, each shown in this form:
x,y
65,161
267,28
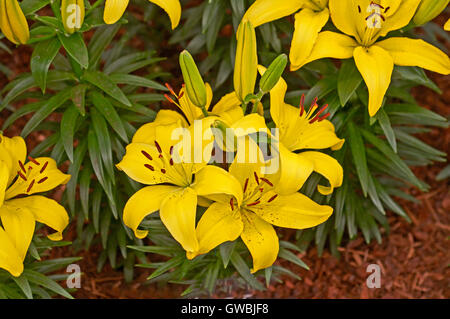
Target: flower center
x,y
375,15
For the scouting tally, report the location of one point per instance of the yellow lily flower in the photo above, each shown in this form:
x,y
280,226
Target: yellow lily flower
x,y
19,215
175,185
303,130
252,217
447,25
13,23
309,21
363,23
114,10
228,109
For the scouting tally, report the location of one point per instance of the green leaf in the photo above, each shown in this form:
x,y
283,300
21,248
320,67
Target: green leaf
x,y
226,250
48,108
79,97
43,55
46,282
290,256
24,285
31,6
85,182
135,80
244,271
418,76
359,155
68,123
104,141
385,124
105,84
100,41
104,106
349,79
75,47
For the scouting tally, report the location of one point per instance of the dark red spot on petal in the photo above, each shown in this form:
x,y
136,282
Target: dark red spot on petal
x,y
163,170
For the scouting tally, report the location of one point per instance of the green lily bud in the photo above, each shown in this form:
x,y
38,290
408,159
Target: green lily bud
x,y
246,64
273,73
428,10
72,14
195,87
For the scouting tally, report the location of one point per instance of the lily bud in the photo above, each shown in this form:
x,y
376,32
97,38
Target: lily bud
x,y
428,10
273,73
72,14
246,63
195,87
13,23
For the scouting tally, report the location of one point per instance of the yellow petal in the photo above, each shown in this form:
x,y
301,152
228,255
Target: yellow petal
x,y
114,10
18,223
375,65
447,25
9,256
398,16
4,176
294,171
147,132
12,150
328,167
349,16
145,164
308,24
143,203
249,124
331,45
228,109
13,22
263,11
261,240
292,211
217,225
178,213
45,211
213,180
173,9
249,162
40,175
416,52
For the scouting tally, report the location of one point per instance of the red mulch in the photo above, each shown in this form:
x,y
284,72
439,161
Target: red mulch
x,y
414,258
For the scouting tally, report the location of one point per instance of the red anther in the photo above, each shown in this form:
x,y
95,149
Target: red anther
x,y
22,176
322,109
267,181
261,189
302,104
163,170
171,150
256,178
245,185
314,102
386,10
149,167
147,155
43,168
255,203
33,160
22,167
324,117
232,204
170,89
43,180
30,186
272,198
181,94
169,99
158,147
